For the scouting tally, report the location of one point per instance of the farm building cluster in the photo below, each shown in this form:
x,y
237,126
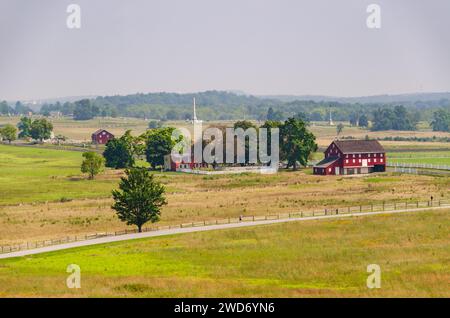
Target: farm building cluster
x,y
347,157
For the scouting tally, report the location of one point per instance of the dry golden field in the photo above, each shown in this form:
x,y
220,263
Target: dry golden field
x,y
197,198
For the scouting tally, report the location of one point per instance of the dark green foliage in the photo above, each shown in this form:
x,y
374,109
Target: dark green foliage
x,y
274,115
154,124
85,110
244,124
216,105
159,143
119,152
441,120
363,121
41,129
297,143
393,119
139,198
5,109
8,132
24,127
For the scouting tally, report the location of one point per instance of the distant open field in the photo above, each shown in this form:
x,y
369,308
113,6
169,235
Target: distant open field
x,y
82,130
301,259
44,195
430,157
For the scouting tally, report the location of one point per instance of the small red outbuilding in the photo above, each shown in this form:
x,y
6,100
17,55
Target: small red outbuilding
x,y
101,137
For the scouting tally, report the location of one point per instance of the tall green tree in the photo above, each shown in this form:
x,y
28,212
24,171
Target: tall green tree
x,y
120,152
139,198
363,121
5,109
159,143
9,132
41,129
92,164
85,110
274,115
397,118
297,143
24,126
339,129
441,120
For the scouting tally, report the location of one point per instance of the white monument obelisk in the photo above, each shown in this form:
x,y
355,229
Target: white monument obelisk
x,y
195,113
198,132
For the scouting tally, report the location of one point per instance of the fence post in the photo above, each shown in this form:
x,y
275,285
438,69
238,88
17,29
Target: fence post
x,y
360,208
383,205
371,207
395,206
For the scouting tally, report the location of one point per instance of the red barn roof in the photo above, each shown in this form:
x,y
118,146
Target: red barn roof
x,y
98,131
359,146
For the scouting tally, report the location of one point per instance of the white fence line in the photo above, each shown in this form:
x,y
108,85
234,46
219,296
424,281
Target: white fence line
x,y
418,165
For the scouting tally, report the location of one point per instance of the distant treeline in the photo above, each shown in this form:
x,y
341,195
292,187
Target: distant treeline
x,y
219,105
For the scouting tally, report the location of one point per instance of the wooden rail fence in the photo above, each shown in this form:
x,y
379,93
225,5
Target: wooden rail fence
x,y
385,206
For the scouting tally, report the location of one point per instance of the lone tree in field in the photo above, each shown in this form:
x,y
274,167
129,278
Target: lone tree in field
x,y
139,199
9,132
92,164
339,129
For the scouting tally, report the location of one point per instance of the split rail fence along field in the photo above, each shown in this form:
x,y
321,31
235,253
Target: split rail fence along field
x,y
418,166
388,206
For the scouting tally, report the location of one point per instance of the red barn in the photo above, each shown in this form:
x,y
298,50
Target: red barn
x,y
345,157
101,136
182,162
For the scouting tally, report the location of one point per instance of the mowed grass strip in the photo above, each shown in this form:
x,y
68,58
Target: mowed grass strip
x,y
303,259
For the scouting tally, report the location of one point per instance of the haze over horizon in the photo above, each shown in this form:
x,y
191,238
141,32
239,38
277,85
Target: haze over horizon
x,y
260,47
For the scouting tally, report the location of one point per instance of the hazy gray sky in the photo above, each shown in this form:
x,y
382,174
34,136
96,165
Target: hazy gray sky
x,y
258,46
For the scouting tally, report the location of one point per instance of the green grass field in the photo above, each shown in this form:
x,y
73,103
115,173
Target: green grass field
x,y
301,259
39,175
431,157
